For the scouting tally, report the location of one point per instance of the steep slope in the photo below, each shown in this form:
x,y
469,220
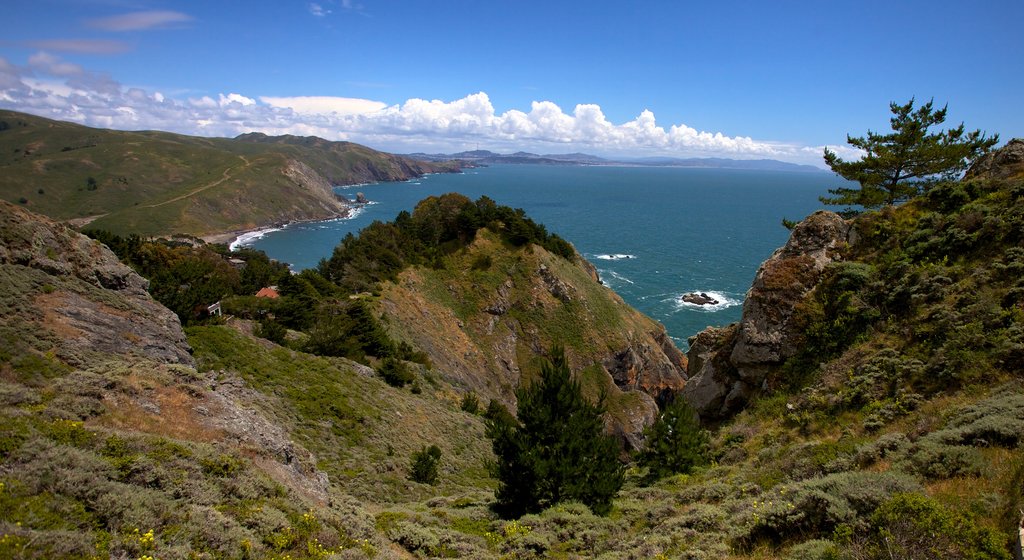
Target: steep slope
x,y
113,442
490,312
161,183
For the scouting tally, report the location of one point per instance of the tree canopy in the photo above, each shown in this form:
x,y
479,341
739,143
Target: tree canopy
x,y
556,450
900,165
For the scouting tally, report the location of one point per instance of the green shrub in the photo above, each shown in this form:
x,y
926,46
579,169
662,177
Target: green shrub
x,y
271,330
470,403
395,373
424,463
915,527
816,507
815,549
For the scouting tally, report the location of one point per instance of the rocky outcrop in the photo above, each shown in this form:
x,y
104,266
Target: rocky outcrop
x,y
1005,163
485,328
82,297
652,365
713,386
727,367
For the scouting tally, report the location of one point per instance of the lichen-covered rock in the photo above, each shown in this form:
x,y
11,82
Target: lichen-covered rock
x,y
75,293
765,337
714,388
728,366
1005,163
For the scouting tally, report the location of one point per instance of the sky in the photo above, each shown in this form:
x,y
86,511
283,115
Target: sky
x,y
740,79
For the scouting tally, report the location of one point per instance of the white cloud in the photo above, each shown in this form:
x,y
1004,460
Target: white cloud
x,y
47,63
231,98
312,105
55,88
138,21
318,10
87,46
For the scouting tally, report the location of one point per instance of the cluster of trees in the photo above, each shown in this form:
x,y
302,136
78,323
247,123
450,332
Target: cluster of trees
x,y
187,278
437,226
556,449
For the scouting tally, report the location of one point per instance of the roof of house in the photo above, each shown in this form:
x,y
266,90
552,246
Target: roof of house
x,y
268,292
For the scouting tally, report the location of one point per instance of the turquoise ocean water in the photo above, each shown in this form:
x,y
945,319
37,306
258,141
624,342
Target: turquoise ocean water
x,y
653,233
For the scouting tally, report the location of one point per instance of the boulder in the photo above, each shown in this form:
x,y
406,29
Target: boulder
x,y
1005,163
765,337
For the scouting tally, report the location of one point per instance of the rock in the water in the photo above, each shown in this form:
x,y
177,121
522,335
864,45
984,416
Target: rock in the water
x,y
361,198
699,299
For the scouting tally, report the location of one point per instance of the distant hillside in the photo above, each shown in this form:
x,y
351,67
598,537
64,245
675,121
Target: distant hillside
x,y
158,183
486,157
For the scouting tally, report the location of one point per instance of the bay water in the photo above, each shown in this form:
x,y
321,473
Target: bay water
x,y
654,233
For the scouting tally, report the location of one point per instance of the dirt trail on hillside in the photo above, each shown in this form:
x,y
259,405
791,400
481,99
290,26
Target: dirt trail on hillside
x,y
226,175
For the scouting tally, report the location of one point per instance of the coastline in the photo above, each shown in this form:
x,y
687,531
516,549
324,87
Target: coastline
x,y
234,238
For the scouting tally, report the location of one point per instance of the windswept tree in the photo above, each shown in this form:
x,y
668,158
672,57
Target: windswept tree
x,y
556,450
902,164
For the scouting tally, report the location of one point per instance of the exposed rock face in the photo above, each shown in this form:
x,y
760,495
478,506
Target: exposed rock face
x,y
89,303
486,329
650,365
713,380
726,368
1005,163
125,362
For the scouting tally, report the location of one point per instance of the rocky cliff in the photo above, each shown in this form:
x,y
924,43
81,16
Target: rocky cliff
x,y
487,316
729,365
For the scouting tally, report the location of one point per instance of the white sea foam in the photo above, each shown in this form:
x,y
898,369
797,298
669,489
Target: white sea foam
x,y
614,257
725,301
611,277
249,237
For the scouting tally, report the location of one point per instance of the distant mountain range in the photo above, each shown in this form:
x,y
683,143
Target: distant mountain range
x,y
486,157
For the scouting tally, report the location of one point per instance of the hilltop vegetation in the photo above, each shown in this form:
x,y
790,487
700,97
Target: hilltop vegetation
x,y
158,183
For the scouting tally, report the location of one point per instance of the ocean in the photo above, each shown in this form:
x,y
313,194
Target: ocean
x,y
654,233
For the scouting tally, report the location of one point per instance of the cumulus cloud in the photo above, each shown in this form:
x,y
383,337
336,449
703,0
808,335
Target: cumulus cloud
x,y
139,21
52,87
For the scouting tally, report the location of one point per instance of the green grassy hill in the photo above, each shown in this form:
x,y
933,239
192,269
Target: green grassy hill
x,y
158,183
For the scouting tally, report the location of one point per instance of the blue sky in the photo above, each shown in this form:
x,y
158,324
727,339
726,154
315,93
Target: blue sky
x,y
734,79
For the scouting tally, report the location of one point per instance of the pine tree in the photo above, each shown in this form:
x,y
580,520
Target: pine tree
x,y
556,449
902,164
675,442
423,464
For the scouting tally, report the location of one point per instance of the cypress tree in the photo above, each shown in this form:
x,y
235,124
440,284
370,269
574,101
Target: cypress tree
x,y
556,449
675,442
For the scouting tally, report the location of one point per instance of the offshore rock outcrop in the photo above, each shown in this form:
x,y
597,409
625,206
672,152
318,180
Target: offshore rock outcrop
x,y
727,366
